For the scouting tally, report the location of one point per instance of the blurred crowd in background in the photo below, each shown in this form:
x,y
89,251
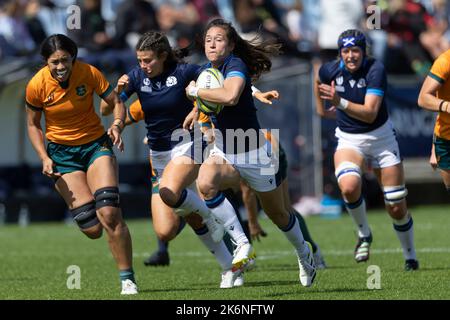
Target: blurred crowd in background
x,y
407,35
412,31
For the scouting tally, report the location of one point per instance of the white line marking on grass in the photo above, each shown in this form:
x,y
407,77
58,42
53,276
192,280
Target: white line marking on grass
x,y
261,255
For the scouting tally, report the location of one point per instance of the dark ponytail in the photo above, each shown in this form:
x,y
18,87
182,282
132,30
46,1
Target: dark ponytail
x,y
255,53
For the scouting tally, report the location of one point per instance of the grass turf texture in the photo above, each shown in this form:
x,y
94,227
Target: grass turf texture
x,y
35,261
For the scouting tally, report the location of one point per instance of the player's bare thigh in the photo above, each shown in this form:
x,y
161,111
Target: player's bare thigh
x,y
178,174
215,175
74,189
390,176
445,174
103,172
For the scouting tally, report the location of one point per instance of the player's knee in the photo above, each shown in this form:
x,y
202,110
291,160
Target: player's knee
x,y
166,235
206,185
169,197
208,189
94,232
350,192
394,195
397,211
85,216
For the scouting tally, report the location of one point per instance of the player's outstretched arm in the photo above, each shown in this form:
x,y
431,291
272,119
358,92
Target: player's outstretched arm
x,y
36,136
265,97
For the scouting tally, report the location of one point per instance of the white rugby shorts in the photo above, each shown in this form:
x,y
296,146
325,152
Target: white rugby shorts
x,y
258,167
160,159
379,147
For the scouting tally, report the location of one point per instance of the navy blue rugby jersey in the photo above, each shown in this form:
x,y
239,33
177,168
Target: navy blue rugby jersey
x,y
243,114
163,100
370,78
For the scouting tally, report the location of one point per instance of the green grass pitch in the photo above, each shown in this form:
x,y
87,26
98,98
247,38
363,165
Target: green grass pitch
x,y
35,261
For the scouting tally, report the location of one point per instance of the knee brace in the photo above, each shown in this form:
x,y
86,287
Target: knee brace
x,y
107,197
347,168
85,216
394,194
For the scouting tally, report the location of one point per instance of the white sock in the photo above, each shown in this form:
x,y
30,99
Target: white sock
x,y
357,210
294,234
224,212
218,249
191,202
405,233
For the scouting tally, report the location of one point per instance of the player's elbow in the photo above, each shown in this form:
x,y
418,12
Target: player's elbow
x,y
371,117
231,98
231,101
105,109
320,112
105,112
421,101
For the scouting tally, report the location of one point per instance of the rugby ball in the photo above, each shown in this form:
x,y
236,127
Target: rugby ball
x,y
210,78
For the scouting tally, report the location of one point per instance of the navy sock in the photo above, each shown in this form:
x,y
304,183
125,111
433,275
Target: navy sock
x,y
127,274
162,246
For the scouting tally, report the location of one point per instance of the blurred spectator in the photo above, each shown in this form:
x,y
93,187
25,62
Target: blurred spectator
x,y
376,33
336,17
226,11
34,24
17,40
206,10
134,18
92,36
436,39
408,21
109,9
264,17
179,20
291,14
311,22
300,17
53,15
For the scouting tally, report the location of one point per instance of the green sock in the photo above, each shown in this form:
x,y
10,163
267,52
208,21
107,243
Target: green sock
x,y
127,274
304,229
